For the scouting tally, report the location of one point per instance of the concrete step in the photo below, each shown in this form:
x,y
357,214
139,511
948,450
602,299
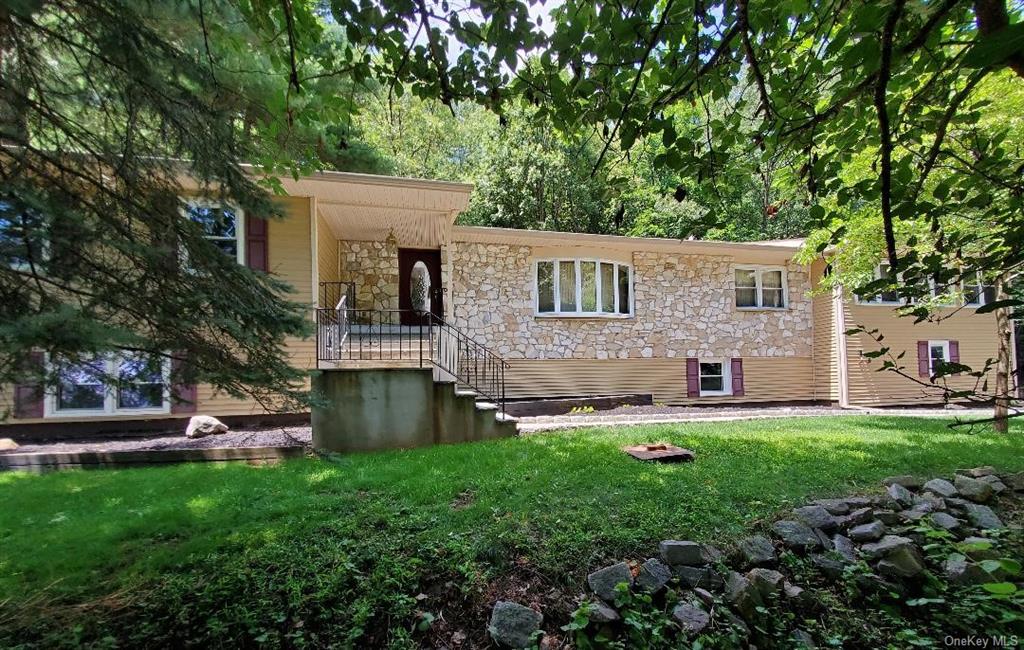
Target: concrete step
x,y
486,406
466,392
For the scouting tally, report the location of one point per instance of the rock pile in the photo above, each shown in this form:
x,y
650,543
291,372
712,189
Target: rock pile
x,y
886,533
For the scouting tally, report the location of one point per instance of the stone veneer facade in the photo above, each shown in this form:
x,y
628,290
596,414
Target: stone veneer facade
x,y
684,307
373,266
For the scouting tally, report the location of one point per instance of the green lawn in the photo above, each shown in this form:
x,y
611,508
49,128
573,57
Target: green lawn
x,y
338,552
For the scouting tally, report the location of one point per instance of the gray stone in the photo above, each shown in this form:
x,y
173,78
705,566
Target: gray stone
x,y
915,514
802,639
903,562
603,581
956,503
829,567
816,517
705,596
885,546
823,539
601,612
653,576
694,577
867,532
791,591
844,548
973,490
1015,481
997,485
767,582
513,625
945,521
979,548
857,517
978,472
834,506
204,425
929,500
909,482
742,595
6,444
757,550
983,517
888,517
690,617
900,495
959,570
941,487
677,552
795,534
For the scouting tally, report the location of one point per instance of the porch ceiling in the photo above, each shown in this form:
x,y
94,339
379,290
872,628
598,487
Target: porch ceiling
x,y
411,226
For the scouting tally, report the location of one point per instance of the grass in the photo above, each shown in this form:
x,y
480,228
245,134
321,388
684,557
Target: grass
x,y
361,550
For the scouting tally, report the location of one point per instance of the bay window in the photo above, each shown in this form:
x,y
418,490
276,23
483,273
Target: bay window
x,y
583,287
760,287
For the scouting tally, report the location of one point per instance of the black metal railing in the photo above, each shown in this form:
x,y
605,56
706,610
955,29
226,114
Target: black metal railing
x,y
344,335
331,294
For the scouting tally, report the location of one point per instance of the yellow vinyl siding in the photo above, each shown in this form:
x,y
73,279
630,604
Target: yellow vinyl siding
x,y
326,251
766,379
869,387
826,362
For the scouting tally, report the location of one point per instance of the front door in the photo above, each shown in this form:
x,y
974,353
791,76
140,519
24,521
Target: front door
x,y
419,283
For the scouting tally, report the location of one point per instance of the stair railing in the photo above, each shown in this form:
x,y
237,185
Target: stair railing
x,y
470,363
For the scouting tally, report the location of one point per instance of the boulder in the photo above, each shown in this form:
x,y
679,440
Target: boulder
x,y
973,490
603,581
844,548
941,487
691,618
816,517
834,506
909,482
767,582
900,495
742,595
945,521
6,444
997,485
903,562
679,553
983,517
513,625
885,546
795,534
204,425
757,550
601,612
869,532
653,576
705,577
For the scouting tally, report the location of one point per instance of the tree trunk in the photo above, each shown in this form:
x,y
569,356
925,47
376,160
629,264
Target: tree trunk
x,y
1004,335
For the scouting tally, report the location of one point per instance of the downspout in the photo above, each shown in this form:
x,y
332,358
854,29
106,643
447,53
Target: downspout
x,y
841,358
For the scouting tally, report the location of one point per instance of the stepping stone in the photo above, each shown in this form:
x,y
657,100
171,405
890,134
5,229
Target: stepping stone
x,y
900,495
795,534
983,517
691,618
757,550
653,576
816,517
603,581
941,487
909,482
868,532
677,553
513,625
973,490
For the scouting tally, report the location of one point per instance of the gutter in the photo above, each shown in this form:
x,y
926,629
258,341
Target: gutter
x,y
841,356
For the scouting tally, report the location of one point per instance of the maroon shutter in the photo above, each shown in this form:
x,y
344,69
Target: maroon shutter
x,y
737,377
183,396
28,398
692,378
922,358
256,256
954,353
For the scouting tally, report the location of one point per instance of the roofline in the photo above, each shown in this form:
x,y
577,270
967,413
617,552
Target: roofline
x,y
618,241
376,179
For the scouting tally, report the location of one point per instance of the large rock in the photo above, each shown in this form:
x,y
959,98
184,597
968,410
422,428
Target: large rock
x,y
857,517
691,618
983,517
941,487
678,553
204,425
653,576
767,582
973,489
6,444
885,546
757,550
603,581
513,625
816,517
703,576
945,521
869,532
997,485
909,482
795,534
743,595
900,495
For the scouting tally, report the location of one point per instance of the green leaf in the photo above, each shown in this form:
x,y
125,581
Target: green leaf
x,y
994,49
1000,588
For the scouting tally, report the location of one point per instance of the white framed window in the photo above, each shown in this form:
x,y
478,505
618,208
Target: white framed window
x,y
938,354
715,377
761,287
23,238
583,287
887,297
978,293
223,225
82,388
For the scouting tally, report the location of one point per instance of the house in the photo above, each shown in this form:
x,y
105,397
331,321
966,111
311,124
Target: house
x,y
394,285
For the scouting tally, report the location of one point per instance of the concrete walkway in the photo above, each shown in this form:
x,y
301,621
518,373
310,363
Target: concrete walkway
x,y
666,415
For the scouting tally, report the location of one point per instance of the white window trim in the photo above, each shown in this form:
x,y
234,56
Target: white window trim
x,y
726,378
979,284
239,220
110,407
556,283
758,270
945,355
877,300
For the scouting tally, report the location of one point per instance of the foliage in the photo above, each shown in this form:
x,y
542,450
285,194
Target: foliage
x,y
320,552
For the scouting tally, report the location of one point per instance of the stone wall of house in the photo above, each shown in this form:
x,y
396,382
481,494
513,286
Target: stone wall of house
x,y
684,307
373,266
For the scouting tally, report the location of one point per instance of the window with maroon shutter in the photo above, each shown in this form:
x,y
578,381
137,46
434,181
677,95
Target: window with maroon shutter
x,y
954,351
737,377
256,252
28,397
692,377
184,397
923,359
